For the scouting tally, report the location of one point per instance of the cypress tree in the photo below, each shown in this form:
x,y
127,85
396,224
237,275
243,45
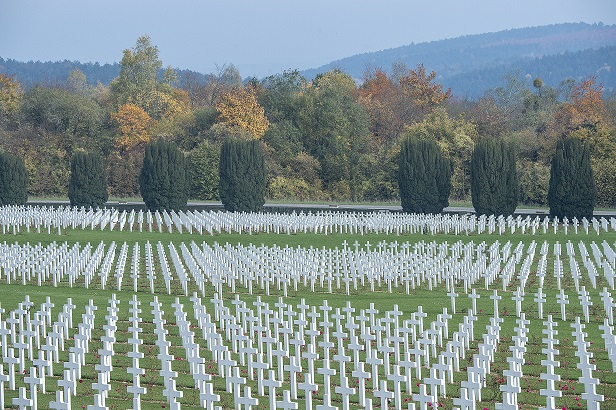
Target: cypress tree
x,y
424,176
241,175
88,184
494,180
13,180
163,180
572,192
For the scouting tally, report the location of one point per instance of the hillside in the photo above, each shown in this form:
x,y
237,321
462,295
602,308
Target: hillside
x,y
56,73
472,64
469,65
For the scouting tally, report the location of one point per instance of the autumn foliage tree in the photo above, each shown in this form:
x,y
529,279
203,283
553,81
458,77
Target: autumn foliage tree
x,y
421,91
138,83
382,100
239,108
132,122
10,96
585,111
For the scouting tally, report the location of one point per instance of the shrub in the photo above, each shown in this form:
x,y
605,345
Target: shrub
x,y
242,175
88,184
572,191
424,176
163,182
494,180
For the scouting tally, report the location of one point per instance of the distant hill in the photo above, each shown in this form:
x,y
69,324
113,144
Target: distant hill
x,y
56,73
469,65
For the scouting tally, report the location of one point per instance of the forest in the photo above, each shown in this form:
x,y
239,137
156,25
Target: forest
x,y
330,138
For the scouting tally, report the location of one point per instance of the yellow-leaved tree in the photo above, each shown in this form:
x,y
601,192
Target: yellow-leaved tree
x,y
132,122
10,95
239,108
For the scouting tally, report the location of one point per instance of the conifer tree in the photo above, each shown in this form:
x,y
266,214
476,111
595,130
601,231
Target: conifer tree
x,y
572,191
88,184
163,180
13,180
494,180
242,175
424,177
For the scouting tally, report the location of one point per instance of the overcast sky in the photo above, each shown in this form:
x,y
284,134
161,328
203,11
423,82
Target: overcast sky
x,y
263,37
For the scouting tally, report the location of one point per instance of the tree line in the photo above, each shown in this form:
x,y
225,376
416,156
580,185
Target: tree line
x,y
424,178
326,139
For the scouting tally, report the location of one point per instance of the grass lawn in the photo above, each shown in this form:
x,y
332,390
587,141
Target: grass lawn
x,y
432,302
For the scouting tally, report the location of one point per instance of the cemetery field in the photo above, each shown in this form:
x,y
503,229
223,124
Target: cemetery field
x,y
119,319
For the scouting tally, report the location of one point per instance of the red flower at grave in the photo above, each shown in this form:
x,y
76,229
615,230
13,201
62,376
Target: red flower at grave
x,y
80,381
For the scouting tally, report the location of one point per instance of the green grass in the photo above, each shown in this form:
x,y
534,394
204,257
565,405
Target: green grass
x,y
432,302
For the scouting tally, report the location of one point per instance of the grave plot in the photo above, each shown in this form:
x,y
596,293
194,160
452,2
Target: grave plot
x,y
476,323
351,269
142,351
17,219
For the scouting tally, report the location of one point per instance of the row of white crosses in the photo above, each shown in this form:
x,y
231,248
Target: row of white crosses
x,y
14,219
387,352
383,265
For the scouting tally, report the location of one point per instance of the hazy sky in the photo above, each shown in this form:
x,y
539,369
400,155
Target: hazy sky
x,y
262,37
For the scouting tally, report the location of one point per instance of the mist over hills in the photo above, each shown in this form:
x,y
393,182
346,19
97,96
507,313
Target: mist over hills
x,y
469,65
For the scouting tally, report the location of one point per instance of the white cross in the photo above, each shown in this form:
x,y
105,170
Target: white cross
x,y
361,376
247,401
383,394
207,396
22,401
34,382
59,403
345,391
3,379
308,387
272,384
286,403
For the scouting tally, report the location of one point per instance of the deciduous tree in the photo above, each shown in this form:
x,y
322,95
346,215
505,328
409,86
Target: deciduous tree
x,y
133,123
421,91
10,96
239,108
585,111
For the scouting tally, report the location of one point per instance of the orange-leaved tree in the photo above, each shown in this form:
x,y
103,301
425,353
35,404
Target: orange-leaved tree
x,y
382,100
421,91
585,112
